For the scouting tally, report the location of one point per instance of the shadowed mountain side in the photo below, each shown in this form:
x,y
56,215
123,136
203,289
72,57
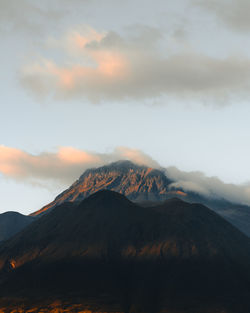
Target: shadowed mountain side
x,y
107,224
142,259
237,214
11,223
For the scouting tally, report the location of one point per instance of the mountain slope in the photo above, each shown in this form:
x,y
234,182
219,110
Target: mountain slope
x,y
11,223
113,220
136,256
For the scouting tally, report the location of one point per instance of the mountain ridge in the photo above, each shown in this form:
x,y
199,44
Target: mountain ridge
x,y
113,211
145,185
137,182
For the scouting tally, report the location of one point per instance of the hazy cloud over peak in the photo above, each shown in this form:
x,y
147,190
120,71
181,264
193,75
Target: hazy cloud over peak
x,y
211,187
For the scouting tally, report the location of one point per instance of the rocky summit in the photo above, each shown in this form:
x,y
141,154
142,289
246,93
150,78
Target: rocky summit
x,y
137,183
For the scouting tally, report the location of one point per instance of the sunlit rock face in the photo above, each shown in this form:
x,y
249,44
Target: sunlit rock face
x,y
137,183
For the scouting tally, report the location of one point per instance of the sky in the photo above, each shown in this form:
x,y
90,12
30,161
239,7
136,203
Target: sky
x,y
87,82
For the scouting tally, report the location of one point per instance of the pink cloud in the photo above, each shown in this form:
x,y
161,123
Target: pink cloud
x,y
74,156
9,159
98,68
63,166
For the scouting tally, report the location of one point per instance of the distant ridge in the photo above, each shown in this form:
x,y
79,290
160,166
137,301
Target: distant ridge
x,y
11,223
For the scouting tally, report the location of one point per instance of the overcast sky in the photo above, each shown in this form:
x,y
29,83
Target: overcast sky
x,y
87,82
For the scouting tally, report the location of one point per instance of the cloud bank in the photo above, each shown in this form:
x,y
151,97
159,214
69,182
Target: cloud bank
x,y
37,18
211,187
233,13
106,66
27,16
67,164
63,166
147,63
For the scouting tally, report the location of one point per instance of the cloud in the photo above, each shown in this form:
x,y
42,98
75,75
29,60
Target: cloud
x,y
105,66
27,16
38,18
63,166
233,13
66,164
210,187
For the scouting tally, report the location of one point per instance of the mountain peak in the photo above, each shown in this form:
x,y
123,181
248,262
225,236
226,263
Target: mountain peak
x,y
136,182
121,166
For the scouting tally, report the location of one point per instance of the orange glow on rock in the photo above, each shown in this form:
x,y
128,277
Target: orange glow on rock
x,y
181,193
13,264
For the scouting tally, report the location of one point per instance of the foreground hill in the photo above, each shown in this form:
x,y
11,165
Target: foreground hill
x,y
107,253
145,185
11,223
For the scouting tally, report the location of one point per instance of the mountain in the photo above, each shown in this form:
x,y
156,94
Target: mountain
x,y
144,185
107,253
11,223
138,183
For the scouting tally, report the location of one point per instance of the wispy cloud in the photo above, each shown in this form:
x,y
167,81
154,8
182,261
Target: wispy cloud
x,y
106,66
63,166
27,16
211,187
233,13
39,17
